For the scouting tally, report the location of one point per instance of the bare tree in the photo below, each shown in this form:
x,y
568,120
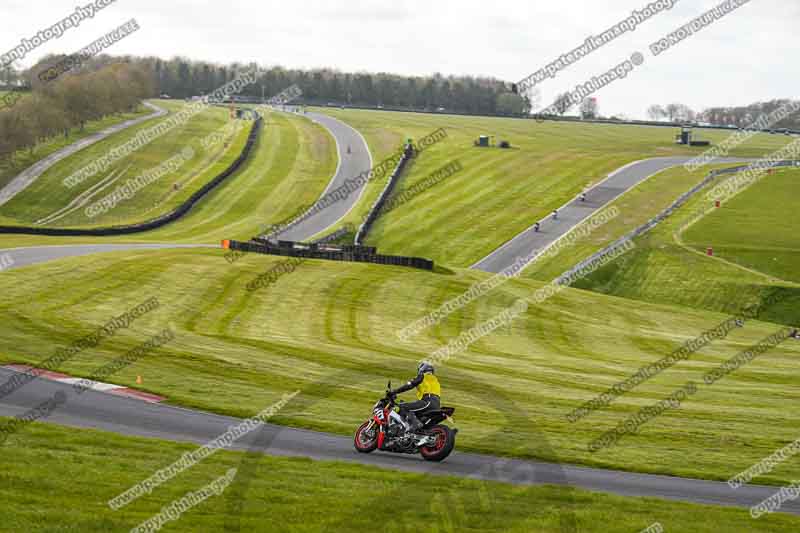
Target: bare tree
x,y
656,112
672,111
563,103
684,113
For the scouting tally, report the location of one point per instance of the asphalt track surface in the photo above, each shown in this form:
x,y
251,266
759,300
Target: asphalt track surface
x,y
126,416
350,165
101,411
41,254
32,173
529,243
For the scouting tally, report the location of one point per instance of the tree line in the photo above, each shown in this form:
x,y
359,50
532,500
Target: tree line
x,y
106,85
184,78
739,116
51,109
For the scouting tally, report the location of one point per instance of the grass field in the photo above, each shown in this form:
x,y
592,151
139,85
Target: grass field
x,y
291,164
329,330
663,269
500,192
636,207
47,196
24,159
272,494
756,229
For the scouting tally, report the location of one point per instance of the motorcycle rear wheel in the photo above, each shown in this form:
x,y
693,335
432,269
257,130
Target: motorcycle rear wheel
x,y
445,442
362,441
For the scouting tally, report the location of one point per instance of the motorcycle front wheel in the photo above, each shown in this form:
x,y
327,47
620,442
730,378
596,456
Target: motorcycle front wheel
x,y
366,437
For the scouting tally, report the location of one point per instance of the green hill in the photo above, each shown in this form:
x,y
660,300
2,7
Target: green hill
x,y
757,229
664,269
330,329
500,193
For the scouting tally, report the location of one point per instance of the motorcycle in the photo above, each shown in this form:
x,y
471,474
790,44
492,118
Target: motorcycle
x,y
387,431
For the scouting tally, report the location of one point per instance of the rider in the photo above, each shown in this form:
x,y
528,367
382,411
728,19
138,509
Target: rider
x,y
428,392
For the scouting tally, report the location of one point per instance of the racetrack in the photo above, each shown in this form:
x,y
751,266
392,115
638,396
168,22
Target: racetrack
x,y
127,416
40,254
527,243
32,173
350,165
530,243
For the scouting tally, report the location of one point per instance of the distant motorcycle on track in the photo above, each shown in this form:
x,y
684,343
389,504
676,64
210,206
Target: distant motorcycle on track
x,y
387,431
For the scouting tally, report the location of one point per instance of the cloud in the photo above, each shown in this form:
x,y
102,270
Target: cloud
x,y
745,57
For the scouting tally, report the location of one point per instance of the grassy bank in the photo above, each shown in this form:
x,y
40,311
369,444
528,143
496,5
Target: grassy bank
x,y
290,166
48,195
329,329
757,229
666,269
10,168
60,480
499,193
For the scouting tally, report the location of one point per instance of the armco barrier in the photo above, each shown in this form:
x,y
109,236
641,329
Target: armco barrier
x,y
354,254
650,224
163,220
375,211
733,170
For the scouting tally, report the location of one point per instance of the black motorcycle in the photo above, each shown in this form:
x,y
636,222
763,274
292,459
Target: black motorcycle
x,y
387,431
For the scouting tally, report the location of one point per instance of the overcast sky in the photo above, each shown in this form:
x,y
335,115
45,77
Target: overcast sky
x,y
749,55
